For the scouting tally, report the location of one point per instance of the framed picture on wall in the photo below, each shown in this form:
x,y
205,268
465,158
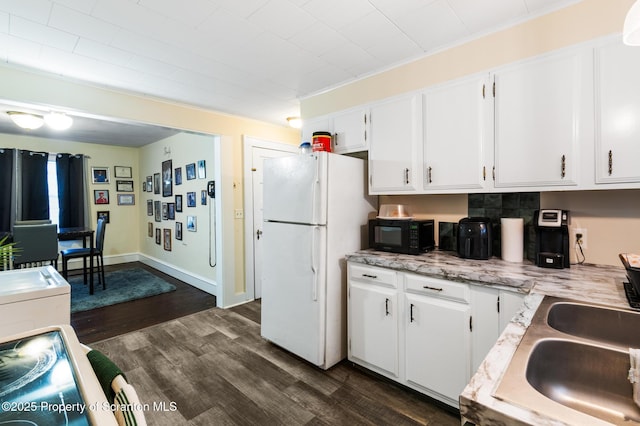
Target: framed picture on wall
x,y
191,171
167,239
179,203
124,185
100,175
191,199
203,197
171,211
178,230
149,207
158,236
191,223
165,211
103,215
101,196
122,172
149,183
150,229
157,211
126,199
156,183
178,177
202,170
167,179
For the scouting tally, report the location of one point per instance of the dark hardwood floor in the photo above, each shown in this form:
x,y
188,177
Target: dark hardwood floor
x,y
102,323
212,367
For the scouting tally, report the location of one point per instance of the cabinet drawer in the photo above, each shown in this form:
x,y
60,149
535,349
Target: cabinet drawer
x,y
372,274
437,287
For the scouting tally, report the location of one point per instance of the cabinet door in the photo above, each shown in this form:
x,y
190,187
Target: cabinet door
x,y
485,311
393,151
538,121
317,124
455,133
350,131
617,114
437,344
510,304
373,326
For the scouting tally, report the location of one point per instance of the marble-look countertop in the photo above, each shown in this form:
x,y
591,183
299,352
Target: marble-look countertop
x,y
591,283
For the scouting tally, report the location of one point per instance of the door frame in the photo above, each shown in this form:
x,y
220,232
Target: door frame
x,y
249,143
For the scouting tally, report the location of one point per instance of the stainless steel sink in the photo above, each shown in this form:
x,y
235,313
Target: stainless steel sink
x,y
605,325
572,364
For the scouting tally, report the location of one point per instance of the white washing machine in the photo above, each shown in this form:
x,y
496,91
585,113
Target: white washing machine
x,y
33,298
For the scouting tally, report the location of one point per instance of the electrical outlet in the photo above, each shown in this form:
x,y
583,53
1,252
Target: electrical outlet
x,y
583,238
239,214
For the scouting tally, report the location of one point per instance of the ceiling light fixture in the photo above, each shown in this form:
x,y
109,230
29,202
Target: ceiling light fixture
x,y
25,120
296,122
631,31
58,120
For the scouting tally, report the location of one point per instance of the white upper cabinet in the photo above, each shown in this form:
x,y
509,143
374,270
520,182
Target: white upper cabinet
x,y
540,109
457,124
350,131
318,124
394,159
617,113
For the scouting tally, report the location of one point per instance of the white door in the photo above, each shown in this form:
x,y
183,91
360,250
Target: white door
x,y
295,189
258,157
437,344
373,326
395,138
293,288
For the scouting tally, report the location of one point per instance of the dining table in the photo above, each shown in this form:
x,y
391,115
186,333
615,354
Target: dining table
x,y
85,234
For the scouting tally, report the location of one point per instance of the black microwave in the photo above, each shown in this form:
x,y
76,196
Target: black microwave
x,y
401,236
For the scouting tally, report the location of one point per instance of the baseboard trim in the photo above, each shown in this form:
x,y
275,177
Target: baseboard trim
x,y
199,282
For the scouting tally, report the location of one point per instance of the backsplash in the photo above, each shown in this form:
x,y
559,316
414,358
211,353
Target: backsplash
x,y
496,206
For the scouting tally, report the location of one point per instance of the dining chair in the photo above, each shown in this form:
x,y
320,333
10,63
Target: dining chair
x,y
35,244
86,253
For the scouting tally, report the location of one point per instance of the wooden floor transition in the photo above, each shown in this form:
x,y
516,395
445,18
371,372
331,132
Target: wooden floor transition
x,y
212,367
102,323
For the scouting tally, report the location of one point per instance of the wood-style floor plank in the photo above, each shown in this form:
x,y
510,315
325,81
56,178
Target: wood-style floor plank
x,y
215,368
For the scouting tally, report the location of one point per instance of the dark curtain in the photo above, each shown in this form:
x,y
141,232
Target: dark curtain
x,y
70,173
35,191
6,173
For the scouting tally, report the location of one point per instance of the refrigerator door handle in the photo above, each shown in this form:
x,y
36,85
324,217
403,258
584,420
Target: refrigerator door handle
x,y
314,263
314,193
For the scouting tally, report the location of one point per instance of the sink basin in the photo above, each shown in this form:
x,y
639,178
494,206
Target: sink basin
x,y
572,364
587,378
605,325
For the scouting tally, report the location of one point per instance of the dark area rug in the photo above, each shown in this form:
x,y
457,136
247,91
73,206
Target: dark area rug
x,y
122,286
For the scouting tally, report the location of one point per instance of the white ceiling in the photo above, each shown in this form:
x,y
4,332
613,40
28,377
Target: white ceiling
x,y
254,58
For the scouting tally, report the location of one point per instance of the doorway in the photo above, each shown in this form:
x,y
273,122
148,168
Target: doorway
x,y
255,152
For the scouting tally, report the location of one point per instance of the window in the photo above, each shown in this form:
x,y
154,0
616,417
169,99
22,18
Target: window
x,y
52,178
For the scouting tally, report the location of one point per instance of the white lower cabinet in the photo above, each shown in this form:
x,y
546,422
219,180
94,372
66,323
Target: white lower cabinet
x,y
437,345
373,319
491,310
427,333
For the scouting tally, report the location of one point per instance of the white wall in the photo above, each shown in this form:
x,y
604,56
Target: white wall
x,y
191,255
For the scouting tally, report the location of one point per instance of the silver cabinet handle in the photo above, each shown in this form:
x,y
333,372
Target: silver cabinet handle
x,y
406,176
429,174
610,162
564,167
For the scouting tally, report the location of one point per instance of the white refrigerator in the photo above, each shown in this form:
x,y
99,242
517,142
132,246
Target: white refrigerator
x,y
316,210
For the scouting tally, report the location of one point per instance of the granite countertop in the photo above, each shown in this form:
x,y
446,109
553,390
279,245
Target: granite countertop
x,y
591,283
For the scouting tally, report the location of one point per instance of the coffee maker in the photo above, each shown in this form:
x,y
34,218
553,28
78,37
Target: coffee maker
x,y
552,238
